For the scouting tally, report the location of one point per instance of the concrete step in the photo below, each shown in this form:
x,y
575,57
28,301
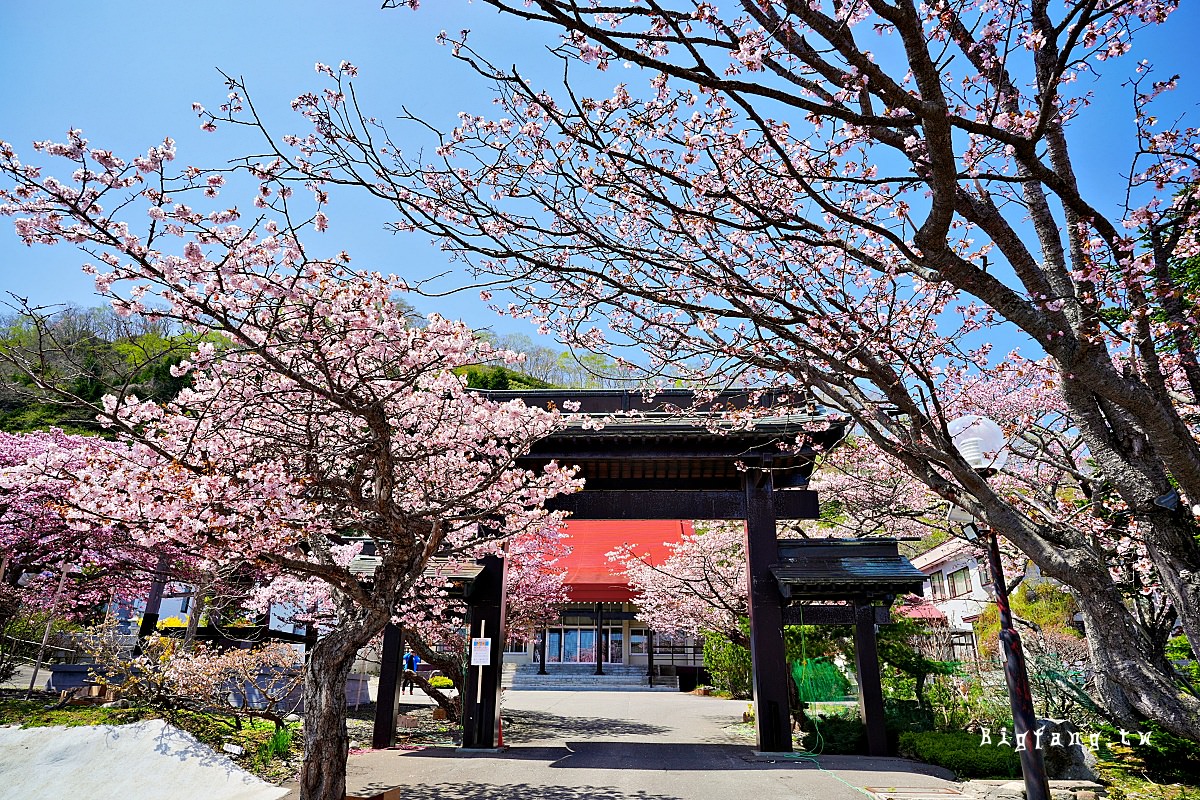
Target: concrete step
x,y
629,681
592,687
582,669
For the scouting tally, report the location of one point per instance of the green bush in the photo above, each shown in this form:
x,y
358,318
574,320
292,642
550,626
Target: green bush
x,y
441,682
729,666
962,753
837,734
907,715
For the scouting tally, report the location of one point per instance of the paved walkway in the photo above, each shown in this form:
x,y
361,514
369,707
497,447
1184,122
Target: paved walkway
x,y
627,746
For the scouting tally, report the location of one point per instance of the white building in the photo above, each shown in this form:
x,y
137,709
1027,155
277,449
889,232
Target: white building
x,y
960,582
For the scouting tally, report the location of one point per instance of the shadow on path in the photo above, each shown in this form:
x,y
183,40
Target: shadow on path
x,y
518,791
623,755
523,725
691,757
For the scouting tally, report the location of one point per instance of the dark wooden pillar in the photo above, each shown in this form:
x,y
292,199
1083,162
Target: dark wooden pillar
x,y
387,705
870,689
311,633
542,649
772,720
481,701
599,638
158,584
650,656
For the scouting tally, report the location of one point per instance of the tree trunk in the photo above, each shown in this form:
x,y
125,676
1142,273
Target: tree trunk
x,y
1133,681
326,741
452,667
193,623
451,705
1176,556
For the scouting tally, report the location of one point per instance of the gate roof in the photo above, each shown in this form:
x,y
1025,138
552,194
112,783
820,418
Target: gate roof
x,y
678,440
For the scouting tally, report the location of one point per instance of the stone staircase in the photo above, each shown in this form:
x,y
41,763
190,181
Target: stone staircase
x,y
577,677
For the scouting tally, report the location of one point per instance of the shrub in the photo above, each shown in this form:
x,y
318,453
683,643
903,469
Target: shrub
x,y
837,734
962,753
728,664
907,715
441,682
235,684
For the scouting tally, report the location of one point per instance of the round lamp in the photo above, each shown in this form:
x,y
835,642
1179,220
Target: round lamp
x,y
980,441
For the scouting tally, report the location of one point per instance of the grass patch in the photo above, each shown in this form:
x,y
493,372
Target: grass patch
x,y
962,753
33,714
1168,768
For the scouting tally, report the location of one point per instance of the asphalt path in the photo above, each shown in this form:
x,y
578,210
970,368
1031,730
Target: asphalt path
x,y
599,745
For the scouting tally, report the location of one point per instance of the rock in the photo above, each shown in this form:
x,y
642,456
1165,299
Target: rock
x,y
1085,794
116,704
1065,761
293,718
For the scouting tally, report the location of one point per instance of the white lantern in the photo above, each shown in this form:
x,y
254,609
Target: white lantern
x,y
980,441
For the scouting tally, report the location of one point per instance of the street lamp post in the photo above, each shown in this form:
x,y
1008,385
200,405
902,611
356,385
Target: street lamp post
x,y
982,443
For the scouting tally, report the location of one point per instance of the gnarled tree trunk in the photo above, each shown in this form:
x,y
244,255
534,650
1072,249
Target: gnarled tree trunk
x,y
326,740
1133,679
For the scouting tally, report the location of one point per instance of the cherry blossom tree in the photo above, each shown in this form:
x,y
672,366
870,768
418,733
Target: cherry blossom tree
x,y
787,203
700,587
328,415
36,543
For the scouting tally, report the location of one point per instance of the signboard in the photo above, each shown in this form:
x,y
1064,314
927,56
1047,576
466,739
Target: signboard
x,y
481,651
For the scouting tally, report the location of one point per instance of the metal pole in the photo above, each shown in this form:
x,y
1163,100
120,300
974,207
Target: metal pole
x,y
1033,768
542,647
599,638
37,665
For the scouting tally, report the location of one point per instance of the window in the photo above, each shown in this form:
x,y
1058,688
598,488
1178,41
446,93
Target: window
x,y
637,641
960,582
515,645
985,575
938,585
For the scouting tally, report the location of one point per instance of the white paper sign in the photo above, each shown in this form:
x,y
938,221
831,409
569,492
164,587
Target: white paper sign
x,y
481,651
233,748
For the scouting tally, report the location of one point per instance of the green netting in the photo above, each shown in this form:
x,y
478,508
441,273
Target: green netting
x,y
819,679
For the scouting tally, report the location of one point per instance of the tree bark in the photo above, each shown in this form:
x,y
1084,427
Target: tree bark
x,y
326,740
1133,680
450,666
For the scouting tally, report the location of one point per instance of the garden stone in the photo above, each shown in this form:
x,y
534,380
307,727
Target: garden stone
x,y
64,677
1065,761
293,718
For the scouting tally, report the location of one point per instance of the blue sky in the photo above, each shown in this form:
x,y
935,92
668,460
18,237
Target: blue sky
x,y
127,72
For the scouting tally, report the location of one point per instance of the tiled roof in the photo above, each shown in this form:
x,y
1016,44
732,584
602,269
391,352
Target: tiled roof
x,y
844,569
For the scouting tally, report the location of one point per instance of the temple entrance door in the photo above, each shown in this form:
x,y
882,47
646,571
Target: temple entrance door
x,y
577,645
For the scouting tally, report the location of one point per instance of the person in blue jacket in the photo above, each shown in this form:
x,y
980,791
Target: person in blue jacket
x,y
411,661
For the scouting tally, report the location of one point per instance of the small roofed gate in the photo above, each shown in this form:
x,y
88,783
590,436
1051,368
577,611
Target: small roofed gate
x,y
674,458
